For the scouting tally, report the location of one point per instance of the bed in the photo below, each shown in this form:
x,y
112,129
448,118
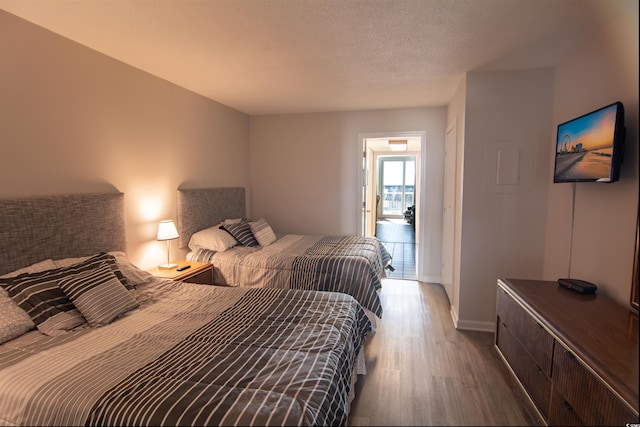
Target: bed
x,y
151,351
354,265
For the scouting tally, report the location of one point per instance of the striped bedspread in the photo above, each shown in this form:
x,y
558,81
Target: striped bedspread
x,y
244,356
354,265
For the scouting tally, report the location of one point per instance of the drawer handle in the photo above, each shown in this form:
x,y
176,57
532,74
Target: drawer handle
x,y
567,406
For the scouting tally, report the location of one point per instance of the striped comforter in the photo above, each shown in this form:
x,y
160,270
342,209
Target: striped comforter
x,y
246,357
353,265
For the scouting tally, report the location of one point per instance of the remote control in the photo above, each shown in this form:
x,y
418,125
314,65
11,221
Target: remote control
x,y
580,286
184,267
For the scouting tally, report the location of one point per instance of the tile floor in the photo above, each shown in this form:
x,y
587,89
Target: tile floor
x,y
399,238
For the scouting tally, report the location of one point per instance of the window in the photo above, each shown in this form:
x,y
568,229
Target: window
x,y
397,181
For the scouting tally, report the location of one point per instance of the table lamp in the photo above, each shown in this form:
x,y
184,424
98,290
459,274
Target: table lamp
x,y
167,231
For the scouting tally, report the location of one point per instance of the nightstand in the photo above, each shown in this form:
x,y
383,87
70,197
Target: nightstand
x,y
199,272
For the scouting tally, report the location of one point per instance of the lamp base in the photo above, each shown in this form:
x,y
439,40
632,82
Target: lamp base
x,y
167,266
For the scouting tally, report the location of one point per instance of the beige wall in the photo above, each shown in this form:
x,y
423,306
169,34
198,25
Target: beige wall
x,y
502,225
304,171
73,120
527,234
600,71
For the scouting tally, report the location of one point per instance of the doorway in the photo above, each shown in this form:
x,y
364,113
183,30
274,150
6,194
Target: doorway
x,y
391,192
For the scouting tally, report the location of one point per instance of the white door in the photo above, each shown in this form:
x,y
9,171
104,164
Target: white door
x,y
368,192
449,210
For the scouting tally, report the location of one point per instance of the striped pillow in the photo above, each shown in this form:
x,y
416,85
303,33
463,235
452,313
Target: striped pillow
x,y
43,300
48,306
262,232
241,231
203,255
94,261
98,295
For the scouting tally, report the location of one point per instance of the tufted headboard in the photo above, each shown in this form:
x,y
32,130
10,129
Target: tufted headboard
x,y
36,228
201,208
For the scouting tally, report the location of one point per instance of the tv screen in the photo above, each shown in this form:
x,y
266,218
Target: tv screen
x,y
589,148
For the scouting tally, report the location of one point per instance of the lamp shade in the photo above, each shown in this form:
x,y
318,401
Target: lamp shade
x,y
167,230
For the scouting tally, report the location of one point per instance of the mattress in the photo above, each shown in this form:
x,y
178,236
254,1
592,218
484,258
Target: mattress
x,y
193,355
354,265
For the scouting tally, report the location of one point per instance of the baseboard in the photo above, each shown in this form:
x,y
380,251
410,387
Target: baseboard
x,y
429,279
454,316
472,325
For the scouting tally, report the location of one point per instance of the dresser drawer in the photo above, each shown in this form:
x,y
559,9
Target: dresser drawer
x,y
561,413
533,337
587,396
532,377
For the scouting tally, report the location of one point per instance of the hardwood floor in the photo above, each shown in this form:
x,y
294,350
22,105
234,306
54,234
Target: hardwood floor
x,y
422,371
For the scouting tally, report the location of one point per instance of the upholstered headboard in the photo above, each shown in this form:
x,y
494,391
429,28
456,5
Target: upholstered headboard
x,y
36,228
201,208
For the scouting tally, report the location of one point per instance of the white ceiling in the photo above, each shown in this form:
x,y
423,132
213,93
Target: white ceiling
x,y
290,56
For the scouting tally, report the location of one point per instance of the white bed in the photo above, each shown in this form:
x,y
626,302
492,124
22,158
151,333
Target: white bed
x,y
352,264
122,347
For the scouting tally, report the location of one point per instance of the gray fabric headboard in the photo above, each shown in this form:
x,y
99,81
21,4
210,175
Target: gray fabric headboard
x,y
36,228
201,208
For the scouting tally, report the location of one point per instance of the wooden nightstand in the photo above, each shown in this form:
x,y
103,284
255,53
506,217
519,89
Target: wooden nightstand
x,y
199,272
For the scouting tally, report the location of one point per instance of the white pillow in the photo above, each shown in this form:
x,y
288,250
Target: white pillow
x,y
14,321
262,232
232,220
212,238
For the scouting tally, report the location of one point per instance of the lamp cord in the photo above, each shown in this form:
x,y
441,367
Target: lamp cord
x,y
573,214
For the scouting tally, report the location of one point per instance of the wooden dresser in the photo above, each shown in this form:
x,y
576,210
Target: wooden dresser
x,y
575,356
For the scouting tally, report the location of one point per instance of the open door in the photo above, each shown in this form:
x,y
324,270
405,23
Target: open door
x,y
369,200
449,211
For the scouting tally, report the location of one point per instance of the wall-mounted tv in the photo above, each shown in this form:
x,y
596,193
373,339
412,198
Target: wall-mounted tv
x,y
590,148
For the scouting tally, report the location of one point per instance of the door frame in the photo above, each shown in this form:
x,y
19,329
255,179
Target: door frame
x,y
364,162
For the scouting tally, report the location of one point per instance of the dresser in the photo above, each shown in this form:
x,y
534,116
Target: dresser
x,y
575,356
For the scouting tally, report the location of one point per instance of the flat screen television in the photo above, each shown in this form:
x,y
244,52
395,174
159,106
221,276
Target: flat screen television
x,y
590,148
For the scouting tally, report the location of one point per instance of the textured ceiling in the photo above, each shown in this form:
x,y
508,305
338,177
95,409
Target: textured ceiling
x,y
290,56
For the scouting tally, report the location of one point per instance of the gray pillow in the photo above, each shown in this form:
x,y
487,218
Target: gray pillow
x,y
98,295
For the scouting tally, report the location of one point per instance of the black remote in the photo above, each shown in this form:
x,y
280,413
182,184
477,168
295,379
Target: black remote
x,y
576,285
184,267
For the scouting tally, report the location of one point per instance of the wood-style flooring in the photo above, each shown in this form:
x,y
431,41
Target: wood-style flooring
x,y
422,371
